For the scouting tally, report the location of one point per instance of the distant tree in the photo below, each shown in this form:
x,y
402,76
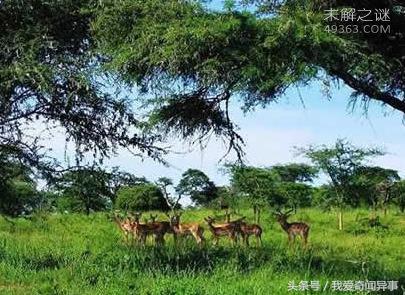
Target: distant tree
x,y
173,202
399,194
258,185
323,196
340,163
90,188
226,197
297,194
117,179
197,185
295,172
86,189
292,186
373,185
141,197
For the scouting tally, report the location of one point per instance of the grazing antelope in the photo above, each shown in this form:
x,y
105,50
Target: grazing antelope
x,y
248,230
293,229
125,225
230,229
184,229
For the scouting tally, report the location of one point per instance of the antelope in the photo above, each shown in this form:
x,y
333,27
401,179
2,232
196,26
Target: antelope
x,y
184,229
251,229
125,226
142,230
293,229
230,229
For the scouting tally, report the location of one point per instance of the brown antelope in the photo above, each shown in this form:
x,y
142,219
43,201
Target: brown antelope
x,y
184,229
142,230
248,230
125,226
293,229
229,230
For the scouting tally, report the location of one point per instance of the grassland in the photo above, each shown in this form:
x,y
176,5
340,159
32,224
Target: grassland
x,y
78,254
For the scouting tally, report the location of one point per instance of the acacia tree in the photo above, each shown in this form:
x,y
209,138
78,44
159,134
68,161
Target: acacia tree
x,y
295,172
399,194
197,185
375,185
258,185
173,202
293,184
84,189
197,60
50,79
340,163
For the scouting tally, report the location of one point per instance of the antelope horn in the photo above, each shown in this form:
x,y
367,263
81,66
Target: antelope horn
x,y
288,211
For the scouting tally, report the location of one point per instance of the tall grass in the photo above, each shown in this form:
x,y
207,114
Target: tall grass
x,y
77,254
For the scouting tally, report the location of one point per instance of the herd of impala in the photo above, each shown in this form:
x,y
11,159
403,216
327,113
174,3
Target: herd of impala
x,y
136,230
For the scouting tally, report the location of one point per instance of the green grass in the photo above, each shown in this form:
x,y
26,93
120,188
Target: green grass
x,y
77,254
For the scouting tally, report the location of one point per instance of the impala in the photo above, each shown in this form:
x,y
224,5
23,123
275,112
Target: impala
x,y
230,229
142,230
248,230
125,226
293,229
184,229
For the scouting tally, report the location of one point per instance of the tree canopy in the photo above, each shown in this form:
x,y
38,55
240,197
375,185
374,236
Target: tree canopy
x,y
50,79
61,62
141,197
197,185
196,60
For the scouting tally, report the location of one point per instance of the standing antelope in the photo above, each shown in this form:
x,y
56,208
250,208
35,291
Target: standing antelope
x,y
230,229
251,229
293,229
142,230
125,226
184,229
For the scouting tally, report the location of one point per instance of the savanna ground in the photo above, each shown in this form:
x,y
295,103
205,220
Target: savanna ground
x,y
78,254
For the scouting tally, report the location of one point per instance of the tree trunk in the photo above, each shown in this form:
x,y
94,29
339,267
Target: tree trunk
x,y
254,212
374,211
258,216
385,209
340,219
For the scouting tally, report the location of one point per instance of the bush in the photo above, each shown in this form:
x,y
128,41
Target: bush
x,y
18,198
140,198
